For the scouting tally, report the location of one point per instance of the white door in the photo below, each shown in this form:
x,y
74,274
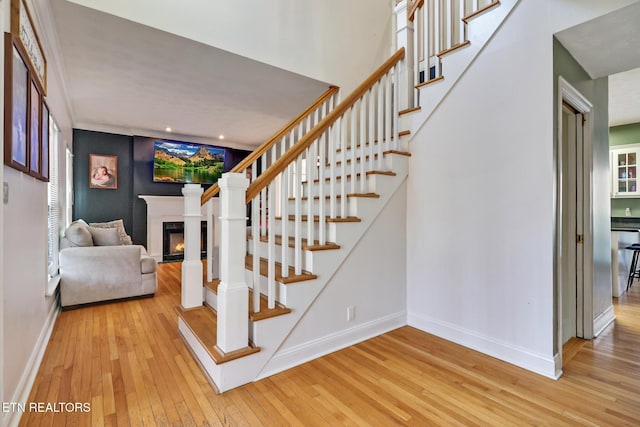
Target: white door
x,y
572,224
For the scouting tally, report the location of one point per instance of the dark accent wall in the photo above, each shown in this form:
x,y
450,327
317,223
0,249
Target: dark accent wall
x,y
98,204
135,177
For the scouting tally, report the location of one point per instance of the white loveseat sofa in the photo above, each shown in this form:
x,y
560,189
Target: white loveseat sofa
x,y
98,263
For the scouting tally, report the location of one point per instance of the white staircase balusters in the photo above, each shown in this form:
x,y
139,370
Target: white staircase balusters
x,y
395,109
342,124
271,249
284,212
297,230
213,240
333,144
380,122
255,235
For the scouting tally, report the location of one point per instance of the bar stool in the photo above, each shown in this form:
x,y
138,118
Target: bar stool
x,y
634,272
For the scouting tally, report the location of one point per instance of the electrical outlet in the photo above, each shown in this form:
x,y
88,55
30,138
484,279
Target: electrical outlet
x,y
351,313
5,192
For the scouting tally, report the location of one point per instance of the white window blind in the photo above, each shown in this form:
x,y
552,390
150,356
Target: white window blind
x,y
53,201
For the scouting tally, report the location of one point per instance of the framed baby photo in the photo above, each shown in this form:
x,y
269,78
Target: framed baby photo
x,y
103,171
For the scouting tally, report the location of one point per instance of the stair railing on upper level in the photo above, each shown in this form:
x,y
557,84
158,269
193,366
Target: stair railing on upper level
x,y
438,27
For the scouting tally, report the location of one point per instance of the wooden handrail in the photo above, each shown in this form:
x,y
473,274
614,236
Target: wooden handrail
x,y
277,167
264,147
411,12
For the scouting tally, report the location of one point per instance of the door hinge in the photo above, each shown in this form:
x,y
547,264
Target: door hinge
x,y
579,238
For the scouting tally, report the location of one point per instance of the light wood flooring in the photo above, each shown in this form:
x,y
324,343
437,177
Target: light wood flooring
x,y
127,360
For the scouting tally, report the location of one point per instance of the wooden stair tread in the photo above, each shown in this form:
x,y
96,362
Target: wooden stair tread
x,y
264,271
315,247
316,218
480,11
453,48
264,313
409,110
428,82
204,324
366,144
338,196
339,177
213,285
375,156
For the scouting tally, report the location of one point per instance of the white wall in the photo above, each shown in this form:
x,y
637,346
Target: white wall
x,y
372,279
27,314
334,41
480,260
480,208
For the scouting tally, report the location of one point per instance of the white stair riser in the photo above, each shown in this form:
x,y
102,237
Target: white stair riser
x,y
211,298
351,206
331,229
281,289
391,163
263,248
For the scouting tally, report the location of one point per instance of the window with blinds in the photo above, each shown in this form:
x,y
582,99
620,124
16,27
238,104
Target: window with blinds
x,y
54,210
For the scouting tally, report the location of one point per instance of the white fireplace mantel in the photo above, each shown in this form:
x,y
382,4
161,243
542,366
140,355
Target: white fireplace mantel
x,y
163,209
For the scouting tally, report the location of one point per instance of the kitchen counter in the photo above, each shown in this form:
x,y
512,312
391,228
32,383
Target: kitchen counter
x,y
624,232
625,223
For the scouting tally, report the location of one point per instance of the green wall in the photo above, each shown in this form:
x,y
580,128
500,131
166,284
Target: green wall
x,y
623,135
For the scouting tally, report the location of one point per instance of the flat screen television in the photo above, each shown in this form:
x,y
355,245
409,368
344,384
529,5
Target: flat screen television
x,y
186,162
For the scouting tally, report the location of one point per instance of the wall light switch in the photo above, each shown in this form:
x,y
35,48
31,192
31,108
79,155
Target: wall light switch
x,y
5,192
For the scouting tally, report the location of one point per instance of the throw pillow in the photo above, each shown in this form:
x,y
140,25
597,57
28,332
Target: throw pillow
x,y
118,224
78,234
105,236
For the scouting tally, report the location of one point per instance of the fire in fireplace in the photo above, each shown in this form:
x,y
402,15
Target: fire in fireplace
x,y
173,240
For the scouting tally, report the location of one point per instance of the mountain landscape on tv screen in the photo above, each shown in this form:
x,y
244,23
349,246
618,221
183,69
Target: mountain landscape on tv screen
x,y
187,163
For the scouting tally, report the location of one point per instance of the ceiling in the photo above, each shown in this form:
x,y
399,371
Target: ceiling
x,y
125,76
610,46
132,79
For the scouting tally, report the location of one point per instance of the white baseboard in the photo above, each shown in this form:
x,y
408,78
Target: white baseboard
x,y
31,370
302,353
557,360
603,320
504,351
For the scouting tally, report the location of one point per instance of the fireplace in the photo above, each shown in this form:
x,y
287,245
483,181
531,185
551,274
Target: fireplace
x,y
173,240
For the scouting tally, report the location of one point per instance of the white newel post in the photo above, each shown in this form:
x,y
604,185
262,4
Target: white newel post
x,y
192,295
233,293
404,38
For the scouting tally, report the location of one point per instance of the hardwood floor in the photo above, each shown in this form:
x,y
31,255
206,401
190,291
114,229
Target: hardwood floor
x,y
127,360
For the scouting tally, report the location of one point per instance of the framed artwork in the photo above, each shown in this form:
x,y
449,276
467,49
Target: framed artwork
x,y
103,171
24,31
16,113
44,145
35,103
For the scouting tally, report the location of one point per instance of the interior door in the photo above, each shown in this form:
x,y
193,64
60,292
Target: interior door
x,y
572,223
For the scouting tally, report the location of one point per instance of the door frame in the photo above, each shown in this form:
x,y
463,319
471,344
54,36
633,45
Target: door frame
x,y
570,95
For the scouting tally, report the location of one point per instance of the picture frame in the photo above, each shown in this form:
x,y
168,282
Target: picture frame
x,y
44,144
35,104
103,171
16,113
24,31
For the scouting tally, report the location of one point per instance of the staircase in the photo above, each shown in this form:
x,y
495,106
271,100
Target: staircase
x,y
320,192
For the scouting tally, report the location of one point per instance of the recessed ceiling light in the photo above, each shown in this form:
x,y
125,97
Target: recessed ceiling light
x,y
168,129
221,136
